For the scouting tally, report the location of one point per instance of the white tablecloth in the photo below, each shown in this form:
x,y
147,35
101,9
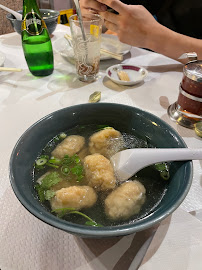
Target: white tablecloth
x,y
27,243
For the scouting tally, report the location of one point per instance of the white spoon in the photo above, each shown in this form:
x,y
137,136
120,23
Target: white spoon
x,y
17,15
127,162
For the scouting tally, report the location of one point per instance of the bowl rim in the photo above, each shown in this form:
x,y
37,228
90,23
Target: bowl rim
x,y
86,231
9,15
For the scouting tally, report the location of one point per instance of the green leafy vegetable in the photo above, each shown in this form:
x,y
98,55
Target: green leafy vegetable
x,y
67,211
72,165
165,175
78,171
101,127
160,166
62,136
61,212
49,194
52,165
67,160
41,192
66,165
65,170
163,169
93,223
48,181
41,161
76,159
56,139
55,161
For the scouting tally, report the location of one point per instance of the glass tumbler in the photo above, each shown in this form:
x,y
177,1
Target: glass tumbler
x,y
187,110
86,40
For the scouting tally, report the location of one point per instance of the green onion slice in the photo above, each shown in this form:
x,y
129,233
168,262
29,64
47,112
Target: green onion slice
x,y
65,170
62,135
41,161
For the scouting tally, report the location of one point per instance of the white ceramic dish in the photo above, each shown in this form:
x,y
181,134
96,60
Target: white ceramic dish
x,y
112,44
2,59
109,42
136,74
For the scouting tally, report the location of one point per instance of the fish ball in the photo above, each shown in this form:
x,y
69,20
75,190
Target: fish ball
x,y
106,142
99,172
77,197
69,146
125,201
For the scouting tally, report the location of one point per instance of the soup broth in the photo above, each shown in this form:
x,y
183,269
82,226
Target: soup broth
x,y
150,178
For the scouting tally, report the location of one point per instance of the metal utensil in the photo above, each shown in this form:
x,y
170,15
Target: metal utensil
x,y
78,10
127,162
102,51
17,15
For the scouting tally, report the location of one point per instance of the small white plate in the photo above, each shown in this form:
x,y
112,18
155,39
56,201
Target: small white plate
x,y
2,59
109,42
112,44
136,74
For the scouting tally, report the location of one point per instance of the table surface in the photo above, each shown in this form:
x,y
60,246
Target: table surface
x,y
28,243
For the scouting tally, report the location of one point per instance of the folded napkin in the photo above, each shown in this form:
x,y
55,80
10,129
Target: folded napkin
x,y
176,245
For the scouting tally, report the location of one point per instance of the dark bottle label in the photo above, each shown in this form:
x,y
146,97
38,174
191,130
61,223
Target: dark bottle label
x,y
33,24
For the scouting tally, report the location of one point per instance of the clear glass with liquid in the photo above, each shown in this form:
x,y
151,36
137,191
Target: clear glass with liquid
x,y
86,46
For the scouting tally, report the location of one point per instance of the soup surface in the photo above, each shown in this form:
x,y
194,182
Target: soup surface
x,y
59,176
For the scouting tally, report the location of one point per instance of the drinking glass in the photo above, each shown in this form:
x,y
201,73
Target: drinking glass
x,y
86,45
187,110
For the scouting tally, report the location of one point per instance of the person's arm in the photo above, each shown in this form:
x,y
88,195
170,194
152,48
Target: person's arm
x,y
136,26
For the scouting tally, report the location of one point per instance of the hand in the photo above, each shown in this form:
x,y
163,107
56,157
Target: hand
x,y
134,24
91,6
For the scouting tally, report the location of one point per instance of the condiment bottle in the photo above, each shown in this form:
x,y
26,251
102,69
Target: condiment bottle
x,y
190,96
36,42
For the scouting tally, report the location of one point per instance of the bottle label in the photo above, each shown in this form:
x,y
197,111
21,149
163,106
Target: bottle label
x,y
33,24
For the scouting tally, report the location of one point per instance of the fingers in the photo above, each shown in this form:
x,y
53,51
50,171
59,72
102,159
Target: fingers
x,y
115,4
113,27
92,5
111,17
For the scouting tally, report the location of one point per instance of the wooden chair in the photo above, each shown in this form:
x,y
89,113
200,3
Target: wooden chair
x,y
5,26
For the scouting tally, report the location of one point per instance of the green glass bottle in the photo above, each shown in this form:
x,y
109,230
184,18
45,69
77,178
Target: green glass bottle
x,y
36,42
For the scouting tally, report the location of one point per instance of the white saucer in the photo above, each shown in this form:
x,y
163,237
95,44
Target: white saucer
x,y
108,42
136,74
2,59
112,44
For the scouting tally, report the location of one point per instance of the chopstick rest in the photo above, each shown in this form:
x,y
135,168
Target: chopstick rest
x,y
102,51
10,69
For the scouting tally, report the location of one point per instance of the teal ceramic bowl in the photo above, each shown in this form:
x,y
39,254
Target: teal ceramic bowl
x,y
50,17
120,117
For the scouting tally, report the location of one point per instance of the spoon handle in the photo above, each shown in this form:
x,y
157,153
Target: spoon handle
x,y
126,163
16,14
169,154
